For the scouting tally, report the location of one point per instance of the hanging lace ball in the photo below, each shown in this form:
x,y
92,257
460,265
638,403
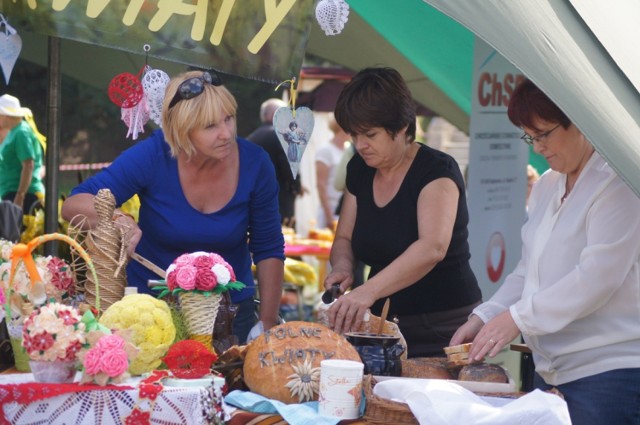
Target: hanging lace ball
x,y
135,118
154,84
332,15
125,90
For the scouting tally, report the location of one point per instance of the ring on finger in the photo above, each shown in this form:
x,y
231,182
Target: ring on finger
x,y
492,341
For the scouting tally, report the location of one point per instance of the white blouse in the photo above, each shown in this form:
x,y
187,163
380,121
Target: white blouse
x,y
575,294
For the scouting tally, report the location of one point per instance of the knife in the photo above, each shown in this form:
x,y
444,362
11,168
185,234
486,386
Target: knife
x,y
331,294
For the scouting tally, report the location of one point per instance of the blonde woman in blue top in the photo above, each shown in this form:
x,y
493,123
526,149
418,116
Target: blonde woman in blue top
x,y
201,188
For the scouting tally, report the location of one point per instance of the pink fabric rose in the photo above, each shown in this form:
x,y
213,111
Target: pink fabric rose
x,y
92,361
186,277
206,280
114,362
171,280
110,342
203,262
183,260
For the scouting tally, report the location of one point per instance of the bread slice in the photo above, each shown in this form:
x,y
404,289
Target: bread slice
x,y
462,348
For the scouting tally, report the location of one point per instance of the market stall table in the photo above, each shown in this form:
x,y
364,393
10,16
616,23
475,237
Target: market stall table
x,y
25,402
311,248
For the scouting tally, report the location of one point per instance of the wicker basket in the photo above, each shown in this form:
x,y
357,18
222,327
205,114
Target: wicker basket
x,y
384,411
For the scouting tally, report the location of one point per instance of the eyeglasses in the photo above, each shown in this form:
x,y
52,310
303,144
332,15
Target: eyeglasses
x,y
193,87
539,138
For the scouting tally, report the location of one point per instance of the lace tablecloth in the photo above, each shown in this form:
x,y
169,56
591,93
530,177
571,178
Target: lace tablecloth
x,y
173,405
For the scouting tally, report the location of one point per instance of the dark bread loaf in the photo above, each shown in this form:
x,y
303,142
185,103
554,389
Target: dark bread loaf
x,y
483,372
426,368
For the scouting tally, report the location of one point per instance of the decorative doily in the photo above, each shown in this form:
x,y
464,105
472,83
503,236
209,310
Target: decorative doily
x,y
10,47
332,15
136,117
154,83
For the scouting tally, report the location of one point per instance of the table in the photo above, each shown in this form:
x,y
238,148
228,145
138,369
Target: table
x,y
320,252
527,368
173,405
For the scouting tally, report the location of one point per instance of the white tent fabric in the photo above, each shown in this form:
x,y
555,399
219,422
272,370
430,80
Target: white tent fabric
x,y
582,53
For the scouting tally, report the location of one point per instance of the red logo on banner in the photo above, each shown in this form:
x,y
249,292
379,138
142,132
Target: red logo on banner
x,y
495,257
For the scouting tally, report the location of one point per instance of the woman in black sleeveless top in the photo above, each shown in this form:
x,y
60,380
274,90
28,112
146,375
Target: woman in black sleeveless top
x,y
404,214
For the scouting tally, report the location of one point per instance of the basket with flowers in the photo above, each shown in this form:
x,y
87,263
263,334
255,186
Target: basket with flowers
x,y
52,336
198,279
30,281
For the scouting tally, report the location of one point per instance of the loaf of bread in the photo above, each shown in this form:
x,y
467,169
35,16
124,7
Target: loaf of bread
x,y
284,363
426,368
483,372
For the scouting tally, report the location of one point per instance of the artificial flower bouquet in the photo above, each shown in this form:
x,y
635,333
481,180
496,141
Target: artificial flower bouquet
x,y
189,359
53,332
106,357
151,325
56,274
198,279
200,272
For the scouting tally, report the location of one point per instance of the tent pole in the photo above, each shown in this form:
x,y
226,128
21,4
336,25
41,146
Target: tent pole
x,y
53,143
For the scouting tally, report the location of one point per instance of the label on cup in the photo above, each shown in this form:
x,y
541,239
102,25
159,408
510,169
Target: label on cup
x,y
340,388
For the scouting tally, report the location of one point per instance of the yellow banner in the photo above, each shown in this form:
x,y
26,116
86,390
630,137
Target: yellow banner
x,y
260,39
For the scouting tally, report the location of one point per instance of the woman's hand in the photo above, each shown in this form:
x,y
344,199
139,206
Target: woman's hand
x,y
346,314
497,333
345,279
468,331
130,229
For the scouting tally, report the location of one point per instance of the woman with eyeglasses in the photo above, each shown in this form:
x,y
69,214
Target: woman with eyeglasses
x,y
201,188
575,294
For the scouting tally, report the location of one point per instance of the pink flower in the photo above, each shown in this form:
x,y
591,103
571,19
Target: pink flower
x,y
186,277
114,362
206,280
40,342
183,260
203,262
110,342
67,316
171,280
92,360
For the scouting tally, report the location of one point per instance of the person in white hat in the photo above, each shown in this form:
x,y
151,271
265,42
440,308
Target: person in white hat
x,y
21,154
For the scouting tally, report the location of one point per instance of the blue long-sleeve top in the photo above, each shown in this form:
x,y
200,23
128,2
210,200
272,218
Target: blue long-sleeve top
x,y
247,227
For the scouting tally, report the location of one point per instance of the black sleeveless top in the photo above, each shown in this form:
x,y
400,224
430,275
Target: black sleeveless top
x,y
380,235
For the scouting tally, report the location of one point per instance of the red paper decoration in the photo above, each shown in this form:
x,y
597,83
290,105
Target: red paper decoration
x,y
189,359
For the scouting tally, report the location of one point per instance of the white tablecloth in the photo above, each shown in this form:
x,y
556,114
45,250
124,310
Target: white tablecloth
x,y
174,405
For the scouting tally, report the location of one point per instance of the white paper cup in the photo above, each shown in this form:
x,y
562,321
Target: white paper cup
x,y
340,388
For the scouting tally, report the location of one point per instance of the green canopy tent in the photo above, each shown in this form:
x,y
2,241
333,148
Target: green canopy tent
x,y
582,53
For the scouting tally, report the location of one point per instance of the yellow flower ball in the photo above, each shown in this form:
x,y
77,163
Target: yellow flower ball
x,y
149,320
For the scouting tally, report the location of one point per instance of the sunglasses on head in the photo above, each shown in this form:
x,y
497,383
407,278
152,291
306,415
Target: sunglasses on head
x,y
194,87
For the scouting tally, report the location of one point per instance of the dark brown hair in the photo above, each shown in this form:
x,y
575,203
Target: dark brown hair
x,y
376,97
529,103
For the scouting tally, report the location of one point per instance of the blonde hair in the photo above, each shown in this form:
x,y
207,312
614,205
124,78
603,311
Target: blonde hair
x,y
212,106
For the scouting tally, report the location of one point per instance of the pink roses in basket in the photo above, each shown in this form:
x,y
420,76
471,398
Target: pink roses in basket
x,y
201,272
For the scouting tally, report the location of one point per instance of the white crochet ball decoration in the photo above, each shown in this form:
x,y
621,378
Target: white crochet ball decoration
x,y
332,15
154,84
